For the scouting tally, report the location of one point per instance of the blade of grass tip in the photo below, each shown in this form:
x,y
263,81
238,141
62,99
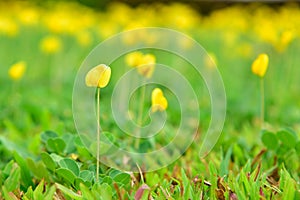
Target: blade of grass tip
x,y
257,171
141,173
165,192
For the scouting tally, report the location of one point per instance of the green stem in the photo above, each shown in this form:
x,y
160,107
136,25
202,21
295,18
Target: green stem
x,y
141,173
98,134
262,95
140,115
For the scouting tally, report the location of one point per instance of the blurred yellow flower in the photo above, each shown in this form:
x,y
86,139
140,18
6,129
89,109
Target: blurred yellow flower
x,y
260,65
98,76
8,27
284,41
133,59
28,16
50,45
17,70
159,102
146,66
145,63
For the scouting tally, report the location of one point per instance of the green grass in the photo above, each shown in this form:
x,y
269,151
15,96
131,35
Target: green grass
x,y
42,156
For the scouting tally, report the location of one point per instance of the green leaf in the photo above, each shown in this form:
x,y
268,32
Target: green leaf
x,y
56,145
48,161
70,164
46,135
270,140
238,153
121,177
297,147
69,140
50,193
105,191
38,192
7,169
243,180
106,179
287,138
25,173
38,169
56,158
186,185
225,163
66,174
12,182
86,193
1,177
213,178
8,195
68,192
11,146
287,185
86,175
79,181
152,178
29,193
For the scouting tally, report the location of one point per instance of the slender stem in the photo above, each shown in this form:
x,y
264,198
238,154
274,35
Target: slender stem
x,y
262,95
141,173
98,134
140,115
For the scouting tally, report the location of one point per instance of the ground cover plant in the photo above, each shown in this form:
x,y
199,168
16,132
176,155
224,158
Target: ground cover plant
x,y
255,48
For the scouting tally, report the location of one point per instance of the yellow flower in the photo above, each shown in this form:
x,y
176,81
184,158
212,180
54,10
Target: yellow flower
x,y
50,44
147,64
8,27
159,102
133,59
98,76
284,41
28,16
260,65
17,70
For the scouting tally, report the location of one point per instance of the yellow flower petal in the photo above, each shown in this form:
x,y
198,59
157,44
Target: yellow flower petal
x,y
17,70
148,59
260,65
98,76
159,102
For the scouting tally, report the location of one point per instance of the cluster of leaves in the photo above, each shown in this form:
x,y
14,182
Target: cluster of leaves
x,y
66,170
284,143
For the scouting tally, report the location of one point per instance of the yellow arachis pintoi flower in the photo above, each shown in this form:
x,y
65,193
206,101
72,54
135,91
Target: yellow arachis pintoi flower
x,y
134,59
50,45
145,63
146,68
17,70
8,27
98,76
260,65
159,101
